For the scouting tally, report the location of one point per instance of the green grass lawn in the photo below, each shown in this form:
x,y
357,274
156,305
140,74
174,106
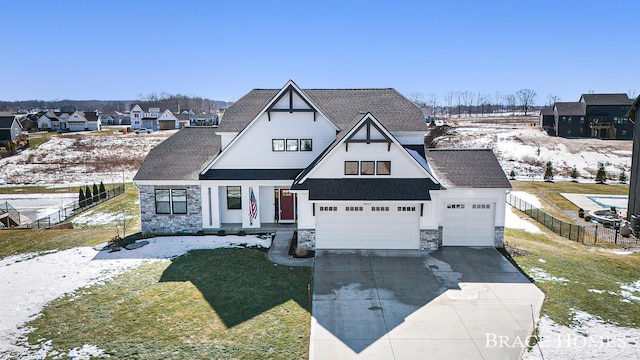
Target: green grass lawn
x,y
549,192
585,267
207,304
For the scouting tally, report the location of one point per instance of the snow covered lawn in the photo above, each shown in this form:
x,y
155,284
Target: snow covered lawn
x,y
30,281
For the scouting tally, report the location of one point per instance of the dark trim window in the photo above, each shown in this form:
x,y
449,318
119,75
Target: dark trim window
x,y
163,201
367,167
292,144
234,197
383,168
306,145
172,201
277,145
351,168
179,201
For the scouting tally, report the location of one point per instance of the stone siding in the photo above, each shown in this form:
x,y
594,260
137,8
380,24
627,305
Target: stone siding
x,y
157,224
431,239
498,237
307,238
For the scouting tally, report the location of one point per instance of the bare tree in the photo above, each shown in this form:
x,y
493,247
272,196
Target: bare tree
x,y
459,101
481,101
417,98
632,94
448,99
467,98
432,100
552,99
499,98
511,102
526,98
122,222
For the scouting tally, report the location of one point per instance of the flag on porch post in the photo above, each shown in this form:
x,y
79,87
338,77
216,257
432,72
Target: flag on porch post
x,y
253,206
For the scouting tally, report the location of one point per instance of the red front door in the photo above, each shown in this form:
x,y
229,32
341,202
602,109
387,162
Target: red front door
x,y
287,206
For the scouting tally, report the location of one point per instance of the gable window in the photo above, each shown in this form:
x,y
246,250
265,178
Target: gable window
x,y
367,167
163,201
383,168
351,168
306,145
234,197
171,201
406,208
277,145
292,144
455,206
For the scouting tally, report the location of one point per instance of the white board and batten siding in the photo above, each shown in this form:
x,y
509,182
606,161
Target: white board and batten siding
x,y
253,150
367,225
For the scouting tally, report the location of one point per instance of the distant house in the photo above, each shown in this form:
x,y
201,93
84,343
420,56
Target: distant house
x,y
600,116
76,121
204,120
633,206
150,115
111,118
548,121
10,129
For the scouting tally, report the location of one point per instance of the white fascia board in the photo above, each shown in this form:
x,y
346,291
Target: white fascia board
x,y
382,128
279,183
264,109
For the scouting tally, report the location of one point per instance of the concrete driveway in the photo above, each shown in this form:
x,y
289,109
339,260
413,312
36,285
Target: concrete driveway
x,y
454,303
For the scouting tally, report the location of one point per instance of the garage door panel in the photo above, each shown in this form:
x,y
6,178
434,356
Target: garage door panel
x,y
382,228
468,224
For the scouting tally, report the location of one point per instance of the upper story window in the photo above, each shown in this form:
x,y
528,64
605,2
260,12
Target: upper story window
x,y
351,167
306,145
277,145
292,144
367,167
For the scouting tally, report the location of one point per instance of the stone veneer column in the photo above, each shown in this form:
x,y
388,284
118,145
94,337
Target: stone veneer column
x,y
431,239
498,237
307,238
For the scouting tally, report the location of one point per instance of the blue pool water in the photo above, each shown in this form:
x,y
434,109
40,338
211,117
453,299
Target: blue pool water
x,y
608,201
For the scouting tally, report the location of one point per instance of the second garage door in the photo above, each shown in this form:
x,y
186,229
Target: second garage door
x,y
468,224
367,226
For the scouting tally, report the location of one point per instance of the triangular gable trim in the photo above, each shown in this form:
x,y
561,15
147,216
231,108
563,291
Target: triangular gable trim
x,y
291,90
373,121
367,124
270,104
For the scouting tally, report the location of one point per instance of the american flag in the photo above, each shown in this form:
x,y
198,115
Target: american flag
x,y
253,206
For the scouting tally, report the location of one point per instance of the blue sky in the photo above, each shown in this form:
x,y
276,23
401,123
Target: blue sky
x,y
222,49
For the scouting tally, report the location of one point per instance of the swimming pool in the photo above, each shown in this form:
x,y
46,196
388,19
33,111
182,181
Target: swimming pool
x,y
608,201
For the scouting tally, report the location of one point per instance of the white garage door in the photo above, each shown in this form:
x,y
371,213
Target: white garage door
x,y
468,224
360,226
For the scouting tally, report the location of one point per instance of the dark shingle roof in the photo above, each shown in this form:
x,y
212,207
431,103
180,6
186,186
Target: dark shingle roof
x,y
569,108
606,99
392,109
368,189
250,174
634,109
467,168
181,156
6,121
173,107
90,115
546,112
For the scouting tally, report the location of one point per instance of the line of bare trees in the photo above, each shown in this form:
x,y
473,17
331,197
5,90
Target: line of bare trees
x,y
467,103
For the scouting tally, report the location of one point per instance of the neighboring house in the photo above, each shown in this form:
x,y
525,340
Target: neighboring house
x,y
633,206
204,120
595,115
27,123
547,120
156,116
76,121
346,166
111,119
10,129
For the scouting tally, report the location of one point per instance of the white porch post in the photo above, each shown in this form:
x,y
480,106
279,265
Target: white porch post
x,y
210,207
247,221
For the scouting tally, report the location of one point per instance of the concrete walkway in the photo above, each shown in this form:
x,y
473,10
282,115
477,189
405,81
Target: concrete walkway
x,y
279,251
454,303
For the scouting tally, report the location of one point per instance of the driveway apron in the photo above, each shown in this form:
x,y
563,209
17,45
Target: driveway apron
x,y
452,303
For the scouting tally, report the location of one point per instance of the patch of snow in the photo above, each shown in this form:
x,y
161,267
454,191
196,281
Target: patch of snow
x,y
539,274
542,260
514,221
30,282
589,338
628,291
86,352
94,218
596,291
530,198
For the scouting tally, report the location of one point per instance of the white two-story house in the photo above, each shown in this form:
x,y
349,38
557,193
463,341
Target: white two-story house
x,y
347,167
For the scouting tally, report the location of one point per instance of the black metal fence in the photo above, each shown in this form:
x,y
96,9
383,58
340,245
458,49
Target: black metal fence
x,y
5,207
589,233
75,208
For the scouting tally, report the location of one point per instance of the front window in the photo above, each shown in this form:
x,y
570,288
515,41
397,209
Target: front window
x,y
163,201
277,145
292,144
234,197
351,168
367,168
179,201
